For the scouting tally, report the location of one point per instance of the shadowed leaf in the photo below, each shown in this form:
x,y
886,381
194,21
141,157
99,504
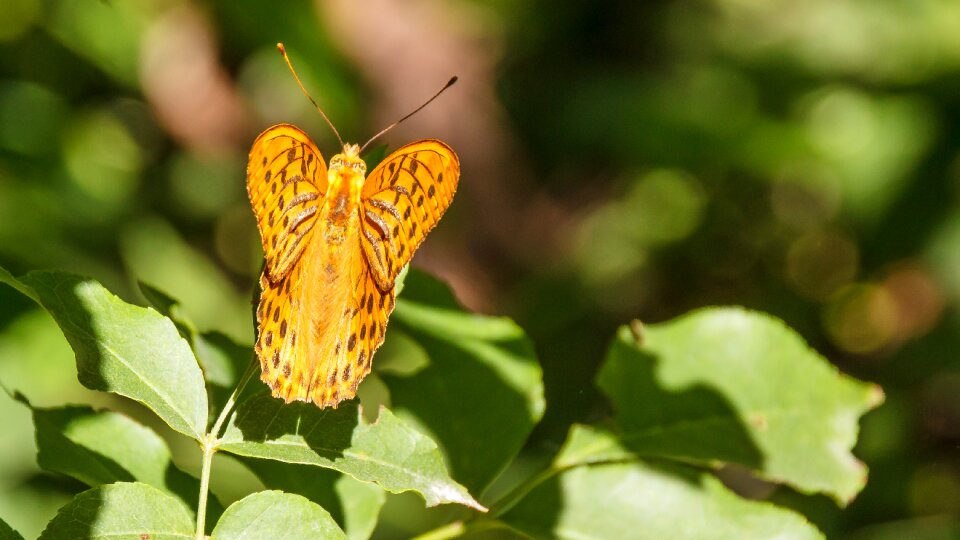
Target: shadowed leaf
x,y
729,385
386,452
103,447
641,501
481,382
122,348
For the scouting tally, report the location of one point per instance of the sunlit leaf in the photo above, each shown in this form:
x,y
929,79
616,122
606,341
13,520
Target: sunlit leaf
x,y
276,515
386,452
355,505
121,511
729,385
122,348
481,382
103,447
641,500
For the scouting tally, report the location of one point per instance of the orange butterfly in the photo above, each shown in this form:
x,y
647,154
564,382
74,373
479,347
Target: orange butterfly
x,y
334,241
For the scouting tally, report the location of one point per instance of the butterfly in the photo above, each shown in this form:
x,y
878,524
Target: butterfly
x,y
334,241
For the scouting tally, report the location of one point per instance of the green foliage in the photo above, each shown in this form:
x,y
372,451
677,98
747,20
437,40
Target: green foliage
x,y
121,511
7,533
387,452
731,386
353,503
717,386
597,494
269,515
103,447
122,348
481,381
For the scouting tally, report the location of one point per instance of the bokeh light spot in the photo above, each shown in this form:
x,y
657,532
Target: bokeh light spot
x,y
821,262
861,318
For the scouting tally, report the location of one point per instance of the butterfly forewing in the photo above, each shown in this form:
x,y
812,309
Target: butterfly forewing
x,y
286,182
402,200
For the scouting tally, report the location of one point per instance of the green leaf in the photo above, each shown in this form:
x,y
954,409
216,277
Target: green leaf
x,y
481,386
271,515
641,500
121,511
387,452
122,348
355,505
222,359
103,447
7,532
730,385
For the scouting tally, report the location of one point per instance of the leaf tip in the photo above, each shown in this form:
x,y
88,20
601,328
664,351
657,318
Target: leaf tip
x,y
875,396
637,330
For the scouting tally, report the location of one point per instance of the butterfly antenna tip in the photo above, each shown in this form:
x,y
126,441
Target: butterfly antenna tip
x,y
450,83
283,52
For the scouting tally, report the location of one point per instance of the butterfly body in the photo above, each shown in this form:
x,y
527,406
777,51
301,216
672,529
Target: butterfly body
x,y
334,241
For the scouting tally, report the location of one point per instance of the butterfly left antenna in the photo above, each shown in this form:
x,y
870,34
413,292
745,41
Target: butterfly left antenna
x,y
283,51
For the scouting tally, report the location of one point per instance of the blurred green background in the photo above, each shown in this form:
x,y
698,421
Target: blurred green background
x,y
619,159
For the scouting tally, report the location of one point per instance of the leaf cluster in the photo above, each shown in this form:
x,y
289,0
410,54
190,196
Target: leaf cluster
x,y
716,390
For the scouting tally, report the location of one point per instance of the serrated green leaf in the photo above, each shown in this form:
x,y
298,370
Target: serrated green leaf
x,y
122,348
7,532
387,452
641,500
103,447
269,515
121,511
355,505
221,358
481,382
730,385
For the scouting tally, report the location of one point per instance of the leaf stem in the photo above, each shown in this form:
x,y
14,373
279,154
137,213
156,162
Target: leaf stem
x,y
209,448
232,400
211,442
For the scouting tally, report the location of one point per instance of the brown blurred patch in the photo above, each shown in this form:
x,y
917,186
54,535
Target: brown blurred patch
x,y
190,92
406,51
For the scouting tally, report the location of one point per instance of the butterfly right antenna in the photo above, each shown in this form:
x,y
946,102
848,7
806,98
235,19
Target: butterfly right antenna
x,y
415,111
283,51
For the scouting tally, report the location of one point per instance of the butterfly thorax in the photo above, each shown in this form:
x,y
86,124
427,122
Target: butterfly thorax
x,y
332,261
345,178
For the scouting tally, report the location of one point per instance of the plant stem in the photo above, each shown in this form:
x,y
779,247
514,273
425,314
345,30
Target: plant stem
x,y
209,448
511,498
210,443
232,400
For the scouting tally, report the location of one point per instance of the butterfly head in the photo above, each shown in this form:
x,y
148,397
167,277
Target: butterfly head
x,y
347,161
345,178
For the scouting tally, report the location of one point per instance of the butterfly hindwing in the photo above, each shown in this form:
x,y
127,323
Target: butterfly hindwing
x,y
277,318
360,333
286,183
402,200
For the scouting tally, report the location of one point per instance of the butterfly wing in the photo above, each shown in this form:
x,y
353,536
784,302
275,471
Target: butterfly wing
x,y
402,200
360,333
317,345
286,182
